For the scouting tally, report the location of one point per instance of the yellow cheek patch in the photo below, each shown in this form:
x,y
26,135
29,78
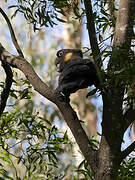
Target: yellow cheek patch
x,y
68,57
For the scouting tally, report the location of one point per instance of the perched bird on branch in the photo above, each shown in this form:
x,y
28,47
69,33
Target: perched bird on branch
x,y
75,72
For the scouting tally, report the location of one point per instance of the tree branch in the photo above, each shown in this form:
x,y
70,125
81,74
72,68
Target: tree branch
x,y
6,90
128,150
124,22
128,117
64,107
79,134
27,69
92,33
123,29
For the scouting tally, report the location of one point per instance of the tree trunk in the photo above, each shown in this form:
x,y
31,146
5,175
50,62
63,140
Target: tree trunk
x,y
108,164
112,135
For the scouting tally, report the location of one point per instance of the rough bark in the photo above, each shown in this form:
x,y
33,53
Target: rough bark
x,y
124,23
108,165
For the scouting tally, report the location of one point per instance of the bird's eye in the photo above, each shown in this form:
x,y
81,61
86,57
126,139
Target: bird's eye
x,y
60,54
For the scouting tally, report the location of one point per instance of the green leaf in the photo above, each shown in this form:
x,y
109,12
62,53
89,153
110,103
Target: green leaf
x,y
91,93
81,164
7,154
12,94
4,159
61,20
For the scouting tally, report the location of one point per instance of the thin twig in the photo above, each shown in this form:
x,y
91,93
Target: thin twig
x,y
128,118
128,150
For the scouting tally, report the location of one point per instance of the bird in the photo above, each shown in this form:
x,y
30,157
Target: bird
x,y
75,72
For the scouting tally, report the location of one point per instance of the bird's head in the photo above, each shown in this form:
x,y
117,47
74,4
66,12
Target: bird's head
x,y
65,55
